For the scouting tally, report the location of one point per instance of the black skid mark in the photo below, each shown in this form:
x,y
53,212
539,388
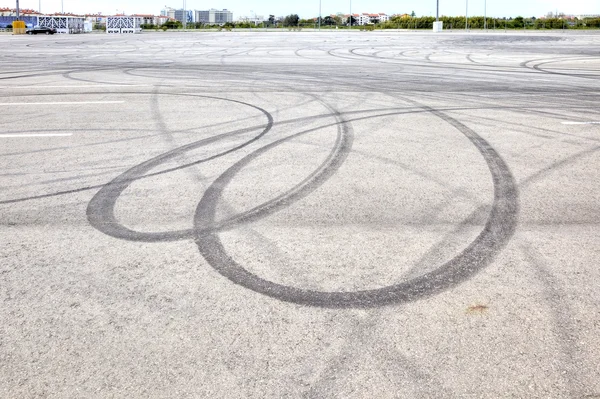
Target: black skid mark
x,y
499,228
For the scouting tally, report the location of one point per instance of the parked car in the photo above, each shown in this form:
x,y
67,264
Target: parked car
x,y
41,29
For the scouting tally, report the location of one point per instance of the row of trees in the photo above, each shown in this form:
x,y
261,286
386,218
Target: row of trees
x,y
479,22
398,22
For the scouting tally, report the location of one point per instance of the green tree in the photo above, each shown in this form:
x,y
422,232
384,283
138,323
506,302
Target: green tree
x,y
291,20
172,25
328,21
518,22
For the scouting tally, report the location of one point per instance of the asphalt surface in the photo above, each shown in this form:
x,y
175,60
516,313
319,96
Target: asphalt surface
x,y
300,214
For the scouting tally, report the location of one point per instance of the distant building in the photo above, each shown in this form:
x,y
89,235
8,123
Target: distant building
x,y
256,19
96,19
168,12
214,17
182,15
9,15
12,12
161,19
367,18
587,16
145,19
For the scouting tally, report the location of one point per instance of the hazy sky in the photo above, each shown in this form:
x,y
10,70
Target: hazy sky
x,y
310,8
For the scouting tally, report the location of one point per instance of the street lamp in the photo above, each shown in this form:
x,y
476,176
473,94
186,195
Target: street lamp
x,y
437,11
485,14
319,14
184,15
467,17
17,10
350,17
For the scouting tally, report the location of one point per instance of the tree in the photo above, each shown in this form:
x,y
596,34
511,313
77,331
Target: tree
x,y
291,20
328,21
353,21
173,24
518,22
272,19
412,14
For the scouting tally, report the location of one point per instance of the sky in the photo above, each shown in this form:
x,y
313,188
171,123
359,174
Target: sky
x,y
310,8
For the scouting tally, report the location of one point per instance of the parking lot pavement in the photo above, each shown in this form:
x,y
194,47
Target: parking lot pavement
x,y
300,214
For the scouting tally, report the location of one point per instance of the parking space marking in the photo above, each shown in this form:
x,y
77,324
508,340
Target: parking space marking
x,y
63,103
580,123
6,136
72,86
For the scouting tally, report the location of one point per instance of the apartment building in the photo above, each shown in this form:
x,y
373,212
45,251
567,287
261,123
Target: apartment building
x,y
368,18
214,17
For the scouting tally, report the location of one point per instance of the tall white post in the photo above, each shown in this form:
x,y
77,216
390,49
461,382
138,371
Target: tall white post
x,y
485,14
467,17
319,14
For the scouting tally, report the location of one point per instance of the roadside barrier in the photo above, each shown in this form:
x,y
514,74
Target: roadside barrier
x,y
19,27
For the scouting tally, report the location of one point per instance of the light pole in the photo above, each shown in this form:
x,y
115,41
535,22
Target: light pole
x,y
18,11
319,14
437,11
62,6
467,17
184,15
485,14
350,17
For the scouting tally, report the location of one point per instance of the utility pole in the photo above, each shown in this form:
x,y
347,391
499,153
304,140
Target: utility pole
x,y
467,17
184,16
319,14
350,23
18,11
485,14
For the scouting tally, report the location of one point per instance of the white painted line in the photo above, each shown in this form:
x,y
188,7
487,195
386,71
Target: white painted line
x,y
35,135
72,86
64,103
580,123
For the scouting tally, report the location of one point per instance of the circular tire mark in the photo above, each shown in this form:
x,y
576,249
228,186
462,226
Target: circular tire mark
x,y
101,208
498,230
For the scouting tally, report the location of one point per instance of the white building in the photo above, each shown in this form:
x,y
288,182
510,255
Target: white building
x,y
214,17
367,18
256,19
146,19
363,19
383,17
168,12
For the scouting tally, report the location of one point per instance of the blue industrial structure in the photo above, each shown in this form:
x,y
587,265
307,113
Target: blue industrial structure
x,y
30,22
